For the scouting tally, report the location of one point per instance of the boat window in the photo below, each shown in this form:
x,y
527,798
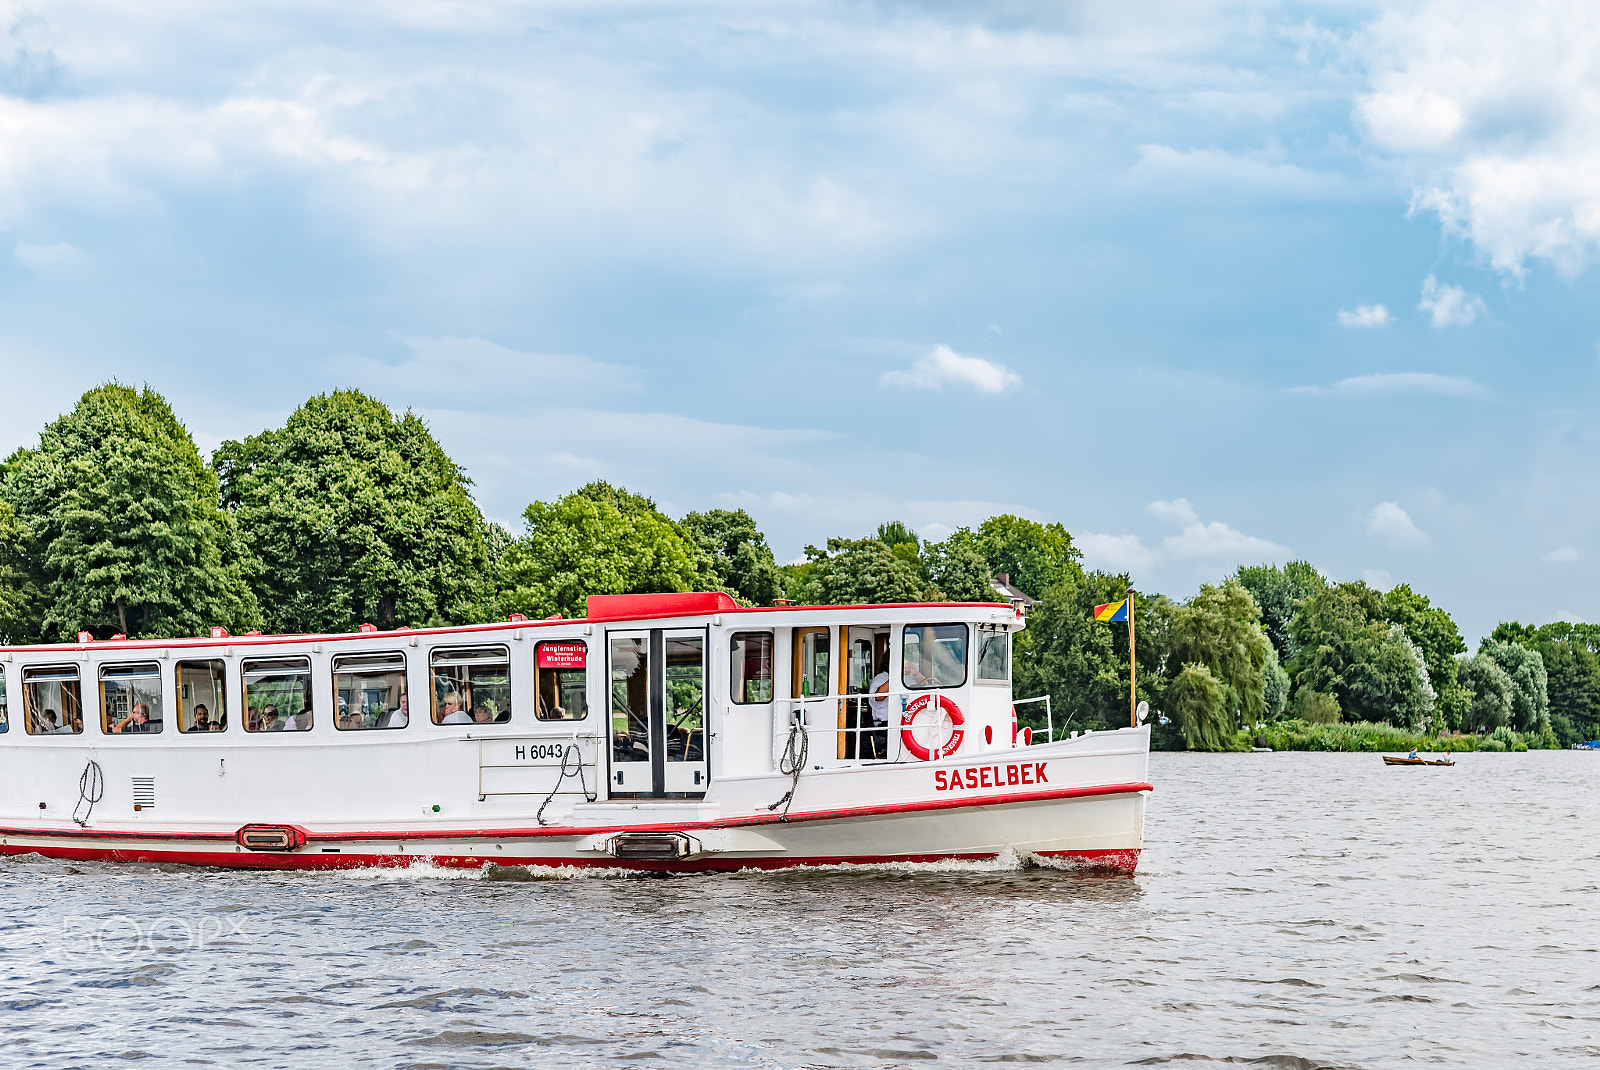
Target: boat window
x,y
277,695
130,698
994,654
630,699
5,714
369,692
934,655
563,686
811,662
202,702
471,685
686,698
52,701
752,667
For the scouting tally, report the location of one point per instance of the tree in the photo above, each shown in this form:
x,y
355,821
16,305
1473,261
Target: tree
x,y
353,515
1530,701
1439,640
1316,707
1346,648
1036,556
1572,672
740,558
598,540
1491,691
1217,630
1275,692
120,525
860,572
958,568
1279,593
19,588
1200,705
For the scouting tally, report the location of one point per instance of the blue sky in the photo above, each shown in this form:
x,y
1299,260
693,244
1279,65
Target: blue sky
x,y
1209,284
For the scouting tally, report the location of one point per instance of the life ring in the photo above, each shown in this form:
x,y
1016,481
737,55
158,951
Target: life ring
x,y
946,710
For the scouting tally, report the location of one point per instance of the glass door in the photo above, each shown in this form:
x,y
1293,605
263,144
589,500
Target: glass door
x,y
658,713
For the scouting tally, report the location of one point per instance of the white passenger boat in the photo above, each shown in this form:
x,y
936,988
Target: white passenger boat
x,y
672,731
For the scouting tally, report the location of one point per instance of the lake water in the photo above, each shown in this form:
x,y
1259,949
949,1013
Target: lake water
x,y
1292,910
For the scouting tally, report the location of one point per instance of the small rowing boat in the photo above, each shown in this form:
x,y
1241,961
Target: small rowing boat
x,y
1389,759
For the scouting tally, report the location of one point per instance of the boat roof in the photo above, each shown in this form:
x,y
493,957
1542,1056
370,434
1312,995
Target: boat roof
x,y
601,609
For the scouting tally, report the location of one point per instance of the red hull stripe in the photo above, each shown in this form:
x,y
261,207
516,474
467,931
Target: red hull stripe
x,y
562,830
1122,860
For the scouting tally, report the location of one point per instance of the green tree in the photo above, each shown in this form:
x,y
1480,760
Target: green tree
x,y
1279,593
1199,704
1275,691
1217,630
19,587
123,530
1036,556
860,572
354,515
598,540
1346,648
1571,654
957,567
1491,690
1316,707
1530,700
740,558
1437,637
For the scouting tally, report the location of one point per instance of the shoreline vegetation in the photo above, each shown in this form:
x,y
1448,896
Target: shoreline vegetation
x,y
115,524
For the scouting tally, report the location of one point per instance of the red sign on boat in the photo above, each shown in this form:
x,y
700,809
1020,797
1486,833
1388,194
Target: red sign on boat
x,y
561,655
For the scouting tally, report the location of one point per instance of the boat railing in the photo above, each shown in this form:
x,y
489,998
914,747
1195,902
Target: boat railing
x,y
845,718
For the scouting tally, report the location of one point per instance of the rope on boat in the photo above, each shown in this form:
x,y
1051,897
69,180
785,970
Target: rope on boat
x,y
791,764
91,789
571,751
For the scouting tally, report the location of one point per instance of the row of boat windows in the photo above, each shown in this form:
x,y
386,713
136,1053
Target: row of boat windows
x,y
931,656
466,685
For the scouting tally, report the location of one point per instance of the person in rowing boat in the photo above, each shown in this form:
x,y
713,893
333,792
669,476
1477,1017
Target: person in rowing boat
x,y
1413,754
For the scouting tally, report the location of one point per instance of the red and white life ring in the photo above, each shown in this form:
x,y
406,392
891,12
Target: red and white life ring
x,y
936,718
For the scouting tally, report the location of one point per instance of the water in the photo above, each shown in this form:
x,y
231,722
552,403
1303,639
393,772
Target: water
x,y
1292,910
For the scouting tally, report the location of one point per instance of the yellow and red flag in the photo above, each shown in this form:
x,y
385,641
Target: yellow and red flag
x,y
1112,611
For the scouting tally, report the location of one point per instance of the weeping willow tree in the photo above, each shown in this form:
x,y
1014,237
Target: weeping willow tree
x,y
1198,702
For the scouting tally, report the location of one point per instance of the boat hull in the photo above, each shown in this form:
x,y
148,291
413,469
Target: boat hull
x,y
1099,827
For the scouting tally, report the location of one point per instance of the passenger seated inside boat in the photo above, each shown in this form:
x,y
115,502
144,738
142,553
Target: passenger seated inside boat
x,y
138,720
398,717
300,722
202,719
269,721
451,707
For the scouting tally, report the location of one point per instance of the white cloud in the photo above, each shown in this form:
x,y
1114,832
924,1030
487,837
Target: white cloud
x,y
1205,544
1365,316
943,366
1210,170
1560,555
1450,306
1115,553
57,259
1378,577
1397,383
1391,523
1496,109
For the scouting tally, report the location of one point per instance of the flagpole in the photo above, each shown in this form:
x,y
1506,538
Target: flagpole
x,y
1133,687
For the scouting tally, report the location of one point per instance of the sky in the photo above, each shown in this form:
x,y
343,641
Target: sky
x,y
1210,284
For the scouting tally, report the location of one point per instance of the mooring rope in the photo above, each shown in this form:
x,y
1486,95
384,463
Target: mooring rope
x,y
791,765
91,789
571,751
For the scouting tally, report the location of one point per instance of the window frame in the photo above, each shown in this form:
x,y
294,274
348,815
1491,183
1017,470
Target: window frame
x,y
5,700
222,695
434,664
735,673
28,713
977,656
538,681
110,671
284,669
339,661
966,650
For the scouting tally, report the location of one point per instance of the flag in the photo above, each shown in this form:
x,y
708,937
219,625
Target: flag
x,y
1112,611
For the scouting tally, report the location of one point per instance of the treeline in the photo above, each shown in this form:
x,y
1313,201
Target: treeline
x,y
349,513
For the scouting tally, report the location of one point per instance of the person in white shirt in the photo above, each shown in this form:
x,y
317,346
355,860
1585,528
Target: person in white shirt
x,y
396,718
453,711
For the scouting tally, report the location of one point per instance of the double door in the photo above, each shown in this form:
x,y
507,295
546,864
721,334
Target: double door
x,y
657,680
